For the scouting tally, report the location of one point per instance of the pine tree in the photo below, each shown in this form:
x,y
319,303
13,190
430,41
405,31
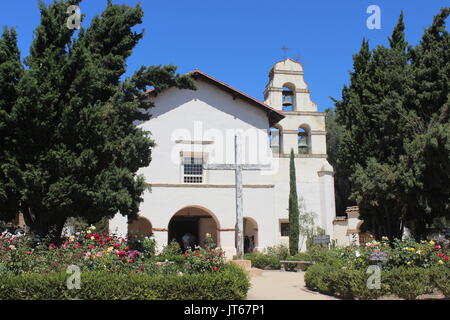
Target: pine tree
x,y
293,209
77,144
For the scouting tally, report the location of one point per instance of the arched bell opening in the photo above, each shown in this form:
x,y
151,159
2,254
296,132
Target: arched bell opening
x,y
304,140
276,139
288,94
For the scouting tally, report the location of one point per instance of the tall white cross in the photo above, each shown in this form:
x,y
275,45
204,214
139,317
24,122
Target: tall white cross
x,y
237,167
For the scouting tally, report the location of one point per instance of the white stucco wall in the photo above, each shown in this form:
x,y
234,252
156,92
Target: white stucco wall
x,y
205,116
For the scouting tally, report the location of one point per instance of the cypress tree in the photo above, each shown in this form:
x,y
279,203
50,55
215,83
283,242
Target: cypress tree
x,y
78,148
372,113
427,167
293,209
11,71
395,140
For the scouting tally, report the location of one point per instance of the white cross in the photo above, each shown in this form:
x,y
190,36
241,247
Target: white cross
x,y
237,167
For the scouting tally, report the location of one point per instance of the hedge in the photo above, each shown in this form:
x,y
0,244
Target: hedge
x,y
405,282
232,283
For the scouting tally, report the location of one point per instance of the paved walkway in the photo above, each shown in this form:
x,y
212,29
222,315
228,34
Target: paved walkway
x,y
277,285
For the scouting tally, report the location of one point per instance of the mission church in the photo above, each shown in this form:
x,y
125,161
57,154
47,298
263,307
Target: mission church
x,y
196,128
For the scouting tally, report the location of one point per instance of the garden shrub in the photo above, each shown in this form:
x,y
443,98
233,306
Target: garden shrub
x,y
408,282
263,261
280,251
440,278
231,283
317,278
171,249
358,285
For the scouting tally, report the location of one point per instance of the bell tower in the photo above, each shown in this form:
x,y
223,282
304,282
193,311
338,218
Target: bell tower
x,y
303,129
287,89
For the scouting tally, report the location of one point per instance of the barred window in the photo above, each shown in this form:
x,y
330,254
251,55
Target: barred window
x,y
193,170
284,226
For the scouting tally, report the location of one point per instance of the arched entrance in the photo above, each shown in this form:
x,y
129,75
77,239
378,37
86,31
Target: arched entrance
x,y
140,227
196,221
250,234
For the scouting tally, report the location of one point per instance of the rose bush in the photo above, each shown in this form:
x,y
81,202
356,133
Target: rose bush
x,y
103,252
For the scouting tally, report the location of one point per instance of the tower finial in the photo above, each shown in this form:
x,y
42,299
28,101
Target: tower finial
x,y
285,50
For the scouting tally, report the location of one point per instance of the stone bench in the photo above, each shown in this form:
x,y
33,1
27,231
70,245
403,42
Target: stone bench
x,y
301,265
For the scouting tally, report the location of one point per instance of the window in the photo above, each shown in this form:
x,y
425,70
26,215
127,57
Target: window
x,y
284,228
192,170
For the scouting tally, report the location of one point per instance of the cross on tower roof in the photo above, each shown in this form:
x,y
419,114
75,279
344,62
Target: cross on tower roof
x,y
285,50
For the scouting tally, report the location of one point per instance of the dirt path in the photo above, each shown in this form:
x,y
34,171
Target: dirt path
x,y
277,285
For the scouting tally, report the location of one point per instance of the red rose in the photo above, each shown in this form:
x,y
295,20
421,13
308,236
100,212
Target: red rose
x,y
142,267
116,245
216,268
446,258
131,261
440,255
91,247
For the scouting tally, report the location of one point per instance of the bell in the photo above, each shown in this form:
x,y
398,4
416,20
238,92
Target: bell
x,y
303,143
287,101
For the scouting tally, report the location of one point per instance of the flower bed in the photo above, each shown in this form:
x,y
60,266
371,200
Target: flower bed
x,y
111,264
231,283
412,269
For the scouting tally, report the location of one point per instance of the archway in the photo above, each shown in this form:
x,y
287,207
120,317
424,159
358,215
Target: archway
x,y
250,234
196,221
276,139
304,140
288,94
140,227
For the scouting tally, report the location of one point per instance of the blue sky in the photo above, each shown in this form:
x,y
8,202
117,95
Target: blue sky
x,y
239,41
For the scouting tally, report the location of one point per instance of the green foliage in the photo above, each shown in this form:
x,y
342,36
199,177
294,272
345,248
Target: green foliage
x,y
293,209
408,283
263,261
280,251
230,284
11,71
172,248
342,173
413,269
393,127
306,224
75,146
440,278
204,260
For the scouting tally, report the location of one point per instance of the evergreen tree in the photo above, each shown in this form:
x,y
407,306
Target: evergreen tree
x,y
11,71
427,167
78,148
395,139
293,209
371,114
342,174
